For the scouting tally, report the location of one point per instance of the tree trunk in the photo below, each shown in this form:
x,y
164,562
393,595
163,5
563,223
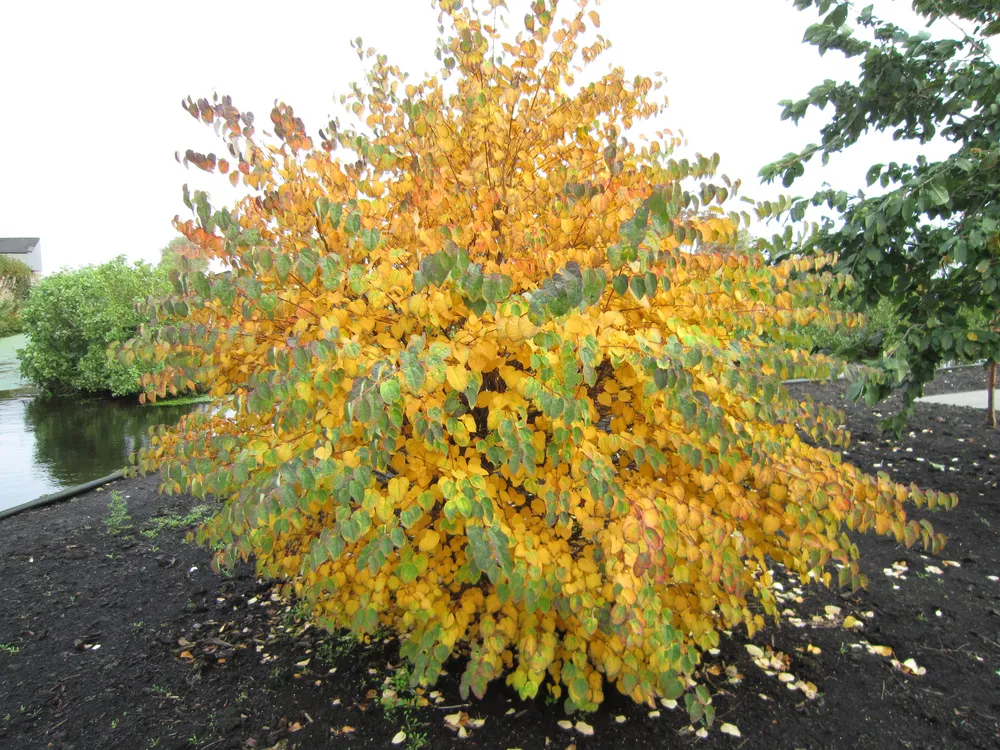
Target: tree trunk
x,y
991,384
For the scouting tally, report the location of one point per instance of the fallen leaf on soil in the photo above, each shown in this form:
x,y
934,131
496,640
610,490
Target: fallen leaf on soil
x,y
294,726
702,733
852,622
754,651
399,738
620,719
565,724
186,655
808,689
909,666
730,729
584,728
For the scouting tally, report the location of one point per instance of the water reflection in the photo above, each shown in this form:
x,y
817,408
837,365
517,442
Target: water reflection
x,y
10,370
76,441
47,444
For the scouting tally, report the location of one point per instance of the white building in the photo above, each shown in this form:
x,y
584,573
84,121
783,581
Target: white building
x,y
28,250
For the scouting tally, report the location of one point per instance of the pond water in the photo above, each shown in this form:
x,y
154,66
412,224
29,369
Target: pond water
x,y
48,444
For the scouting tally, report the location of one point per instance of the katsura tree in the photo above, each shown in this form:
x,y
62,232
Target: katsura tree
x,y
481,383
927,235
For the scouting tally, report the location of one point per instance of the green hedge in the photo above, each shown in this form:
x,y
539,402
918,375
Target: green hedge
x,y
72,316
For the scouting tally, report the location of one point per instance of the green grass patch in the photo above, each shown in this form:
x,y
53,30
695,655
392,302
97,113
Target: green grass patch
x,y
181,401
175,521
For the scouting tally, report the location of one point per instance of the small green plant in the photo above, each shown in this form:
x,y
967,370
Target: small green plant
x,y
175,521
10,649
400,704
118,520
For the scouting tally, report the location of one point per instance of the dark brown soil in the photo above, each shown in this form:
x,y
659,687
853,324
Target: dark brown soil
x,y
957,380
128,640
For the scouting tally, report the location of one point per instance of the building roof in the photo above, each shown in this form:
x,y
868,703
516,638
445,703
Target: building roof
x,y
17,245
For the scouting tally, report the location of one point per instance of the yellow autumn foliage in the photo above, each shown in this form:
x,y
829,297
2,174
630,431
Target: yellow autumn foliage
x,y
481,384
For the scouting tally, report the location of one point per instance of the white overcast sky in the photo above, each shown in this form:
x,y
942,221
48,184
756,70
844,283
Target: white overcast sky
x,y
90,95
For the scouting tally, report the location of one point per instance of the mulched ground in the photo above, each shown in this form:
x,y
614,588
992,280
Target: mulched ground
x,y
128,640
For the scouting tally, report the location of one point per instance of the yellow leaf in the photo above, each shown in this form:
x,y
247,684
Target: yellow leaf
x,y
398,487
429,540
573,324
458,378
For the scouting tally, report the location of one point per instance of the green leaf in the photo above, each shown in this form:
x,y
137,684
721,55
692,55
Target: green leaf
x,y
492,289
407,572
411,515
389,390
472,281
594,282
854,390
838,17
252,288
370,238
615,257
638,286
282,266
334,214
939,193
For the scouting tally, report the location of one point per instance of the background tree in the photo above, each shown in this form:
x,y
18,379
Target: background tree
x,y
71,318
15,283
927,237
180,254
477,388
